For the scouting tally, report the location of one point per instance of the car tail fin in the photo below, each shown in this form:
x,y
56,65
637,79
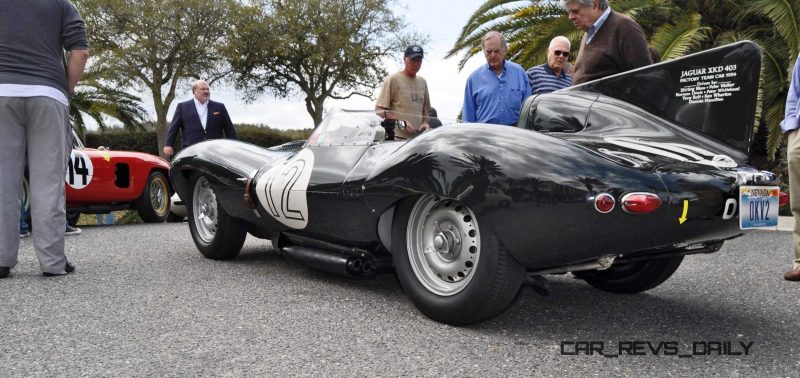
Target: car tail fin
x,y
713,92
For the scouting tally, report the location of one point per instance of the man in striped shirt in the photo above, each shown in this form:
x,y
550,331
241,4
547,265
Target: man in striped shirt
x,y
552,76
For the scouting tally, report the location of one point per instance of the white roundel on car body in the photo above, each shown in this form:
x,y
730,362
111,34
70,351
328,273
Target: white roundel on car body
x,y
281,189
79,170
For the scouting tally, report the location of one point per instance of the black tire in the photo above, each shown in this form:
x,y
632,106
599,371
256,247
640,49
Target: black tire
x,y
632,277
217,235
491,278
172,218
153,204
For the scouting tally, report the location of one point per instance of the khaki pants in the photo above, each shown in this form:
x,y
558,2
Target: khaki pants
x,y
793,158
36,128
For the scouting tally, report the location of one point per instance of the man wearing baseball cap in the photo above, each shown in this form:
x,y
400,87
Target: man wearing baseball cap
x,y
404,96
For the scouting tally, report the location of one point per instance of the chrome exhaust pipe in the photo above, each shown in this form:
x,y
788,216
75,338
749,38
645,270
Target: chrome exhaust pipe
x,y
602,263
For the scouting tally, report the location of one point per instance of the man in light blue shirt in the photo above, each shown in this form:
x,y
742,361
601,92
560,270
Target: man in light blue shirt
x,y
790,125
495,92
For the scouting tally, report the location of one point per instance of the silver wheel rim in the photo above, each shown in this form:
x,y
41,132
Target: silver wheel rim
x,y
443,243
204,206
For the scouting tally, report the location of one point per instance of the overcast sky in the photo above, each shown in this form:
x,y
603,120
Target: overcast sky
x,y
441,20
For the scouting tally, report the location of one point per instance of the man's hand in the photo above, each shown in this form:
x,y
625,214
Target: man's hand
x,y
424,127
168,150
387,114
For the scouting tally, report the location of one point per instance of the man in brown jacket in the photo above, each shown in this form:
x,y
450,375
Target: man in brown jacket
x,y
613,43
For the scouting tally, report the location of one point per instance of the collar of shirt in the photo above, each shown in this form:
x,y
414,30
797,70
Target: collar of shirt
x,y
202,111
597,25
551,72
200,104
490,69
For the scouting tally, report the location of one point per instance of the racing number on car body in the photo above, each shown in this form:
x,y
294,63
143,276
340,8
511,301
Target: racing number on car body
x,y
79,170
282,190
289,177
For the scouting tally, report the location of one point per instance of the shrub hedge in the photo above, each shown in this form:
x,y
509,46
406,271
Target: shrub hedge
x,y
146,141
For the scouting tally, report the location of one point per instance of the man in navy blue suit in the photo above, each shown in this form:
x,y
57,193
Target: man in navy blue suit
x,y
199,119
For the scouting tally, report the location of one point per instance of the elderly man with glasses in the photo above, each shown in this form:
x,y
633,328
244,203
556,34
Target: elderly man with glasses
x,y
612,43
552,76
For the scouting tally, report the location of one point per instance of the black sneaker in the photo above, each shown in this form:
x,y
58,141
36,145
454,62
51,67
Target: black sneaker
x,y
68,268
4,271
72,231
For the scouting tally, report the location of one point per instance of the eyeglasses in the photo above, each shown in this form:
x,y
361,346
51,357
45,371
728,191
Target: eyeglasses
x,y
561,53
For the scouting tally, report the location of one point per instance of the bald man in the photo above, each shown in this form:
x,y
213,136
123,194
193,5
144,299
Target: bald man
x,y
199,119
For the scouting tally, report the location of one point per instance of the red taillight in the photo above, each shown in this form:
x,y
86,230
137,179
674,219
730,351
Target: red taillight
x,y
604,203
640,203
784,199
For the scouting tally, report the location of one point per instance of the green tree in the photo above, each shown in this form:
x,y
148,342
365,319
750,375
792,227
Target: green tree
x,y
156,45
320,49
674,28
775,29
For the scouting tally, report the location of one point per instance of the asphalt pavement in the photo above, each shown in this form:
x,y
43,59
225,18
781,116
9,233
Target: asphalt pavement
x,y
144,302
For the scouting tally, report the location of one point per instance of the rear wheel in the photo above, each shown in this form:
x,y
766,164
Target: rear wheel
x,y
454,270
217,235
153,204
632,277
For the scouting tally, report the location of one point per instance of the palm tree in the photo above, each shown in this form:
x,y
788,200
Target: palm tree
x,y
527,25
674,28
779,40
94,99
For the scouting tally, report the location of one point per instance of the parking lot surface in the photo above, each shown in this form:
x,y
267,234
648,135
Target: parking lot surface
x,y
144,302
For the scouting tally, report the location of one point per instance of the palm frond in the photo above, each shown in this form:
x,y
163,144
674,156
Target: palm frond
x,y
507,17
98,102
676,40
784,16
478,19
773,84
632,8
774,116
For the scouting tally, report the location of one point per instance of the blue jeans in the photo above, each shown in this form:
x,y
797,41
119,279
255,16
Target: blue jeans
x,y
23,226
109,218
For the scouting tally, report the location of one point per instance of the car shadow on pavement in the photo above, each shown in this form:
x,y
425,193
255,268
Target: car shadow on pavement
x,y
573,311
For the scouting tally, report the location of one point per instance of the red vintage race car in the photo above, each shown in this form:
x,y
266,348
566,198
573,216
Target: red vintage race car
x,y
99,180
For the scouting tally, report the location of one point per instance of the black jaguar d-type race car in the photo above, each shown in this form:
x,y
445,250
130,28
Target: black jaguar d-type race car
x,y
614,180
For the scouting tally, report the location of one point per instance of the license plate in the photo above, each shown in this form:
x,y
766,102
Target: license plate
x,y
758,206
